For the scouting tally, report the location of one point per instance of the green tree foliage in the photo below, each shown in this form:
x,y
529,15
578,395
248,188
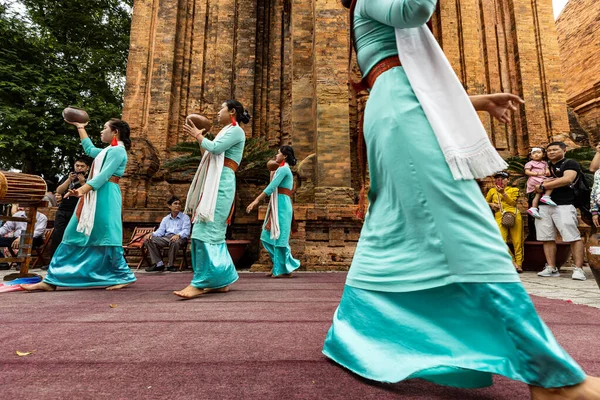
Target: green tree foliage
x,y
54,54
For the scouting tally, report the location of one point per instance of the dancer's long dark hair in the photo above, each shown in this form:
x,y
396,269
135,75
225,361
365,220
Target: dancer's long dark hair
x,y
122,127
288,152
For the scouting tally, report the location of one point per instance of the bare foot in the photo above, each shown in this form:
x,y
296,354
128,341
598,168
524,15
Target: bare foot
x,y
218,290
46,287
269,275
117,287
587,390
190,292
283,276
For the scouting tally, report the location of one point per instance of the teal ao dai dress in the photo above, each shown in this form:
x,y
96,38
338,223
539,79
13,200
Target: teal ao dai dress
x,y
97,259
432,292
279,249
211,261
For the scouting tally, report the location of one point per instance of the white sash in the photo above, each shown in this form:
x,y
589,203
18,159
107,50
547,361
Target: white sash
x,y
201,199
273,211
462,138
88,211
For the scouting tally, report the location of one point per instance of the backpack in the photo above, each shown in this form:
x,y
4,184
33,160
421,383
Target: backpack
x,y
582,191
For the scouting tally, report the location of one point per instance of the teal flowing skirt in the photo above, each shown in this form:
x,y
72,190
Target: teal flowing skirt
x,y
283,262
455,335
432,292
88,266
212,264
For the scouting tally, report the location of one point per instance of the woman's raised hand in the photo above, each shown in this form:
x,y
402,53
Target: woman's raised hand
x,y
500,105
77,124
74,193
192,130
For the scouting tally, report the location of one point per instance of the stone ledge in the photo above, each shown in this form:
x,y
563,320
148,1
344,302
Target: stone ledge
x,y
315,212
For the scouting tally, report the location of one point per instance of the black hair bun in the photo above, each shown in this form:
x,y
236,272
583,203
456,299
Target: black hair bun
x,y
245,117
291,160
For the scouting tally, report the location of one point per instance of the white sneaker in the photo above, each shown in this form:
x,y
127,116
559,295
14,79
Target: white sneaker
x,y
578,274
549,272
534,213
548,201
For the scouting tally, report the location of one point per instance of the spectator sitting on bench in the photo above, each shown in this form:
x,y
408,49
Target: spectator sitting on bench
x,y
10,232
174,231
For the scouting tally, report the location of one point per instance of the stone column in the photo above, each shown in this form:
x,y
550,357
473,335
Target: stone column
x,y
304,125
150,70
509,46
538,64
333,184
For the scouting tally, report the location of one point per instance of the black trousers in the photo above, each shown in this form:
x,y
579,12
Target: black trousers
x,y
61,220
531,234
7,242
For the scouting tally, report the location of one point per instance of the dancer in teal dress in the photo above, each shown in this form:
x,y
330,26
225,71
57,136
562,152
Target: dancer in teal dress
x,y
210,201
91,252
432,292
275,235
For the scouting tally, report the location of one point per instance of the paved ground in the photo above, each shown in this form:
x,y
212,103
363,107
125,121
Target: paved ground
x,y
564,288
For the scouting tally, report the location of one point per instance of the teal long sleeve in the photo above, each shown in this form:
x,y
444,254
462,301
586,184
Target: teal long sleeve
x,y
114,163
228,140
398,13
89,148
277,179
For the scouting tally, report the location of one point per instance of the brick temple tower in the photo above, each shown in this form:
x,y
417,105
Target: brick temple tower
x,y
579,38
286,61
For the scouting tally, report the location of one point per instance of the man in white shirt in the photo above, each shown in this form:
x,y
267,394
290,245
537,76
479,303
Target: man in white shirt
x,y
10,232
173,232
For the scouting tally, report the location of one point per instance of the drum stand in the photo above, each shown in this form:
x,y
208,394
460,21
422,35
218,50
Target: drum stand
x,y
26,243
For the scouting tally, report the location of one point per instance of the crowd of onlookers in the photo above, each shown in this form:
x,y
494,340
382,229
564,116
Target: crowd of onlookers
x,y
556,188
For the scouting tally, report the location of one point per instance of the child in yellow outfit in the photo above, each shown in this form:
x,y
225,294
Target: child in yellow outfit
x,y
507,197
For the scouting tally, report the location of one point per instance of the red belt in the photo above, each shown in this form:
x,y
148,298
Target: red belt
x,y
229,163
285,191
113,179
382,66
289,193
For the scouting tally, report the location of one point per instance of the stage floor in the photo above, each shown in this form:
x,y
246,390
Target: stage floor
x,y
262,340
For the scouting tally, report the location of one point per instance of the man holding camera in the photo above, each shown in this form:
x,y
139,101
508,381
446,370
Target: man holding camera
x,y
66,208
